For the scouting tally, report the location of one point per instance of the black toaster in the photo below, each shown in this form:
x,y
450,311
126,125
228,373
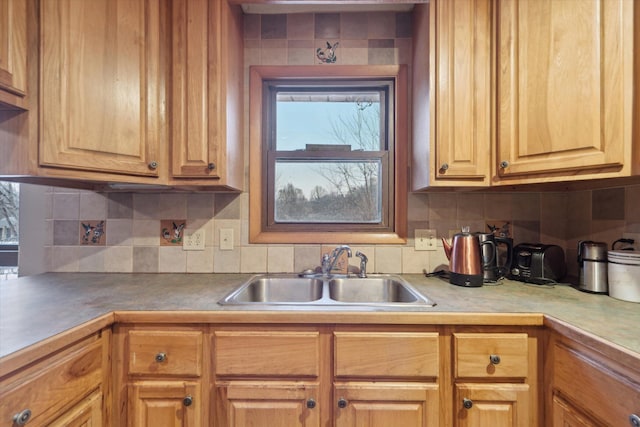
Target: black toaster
x,y
538,263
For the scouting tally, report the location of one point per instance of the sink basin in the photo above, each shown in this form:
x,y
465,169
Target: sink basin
x,y
372,290
272,290
375,290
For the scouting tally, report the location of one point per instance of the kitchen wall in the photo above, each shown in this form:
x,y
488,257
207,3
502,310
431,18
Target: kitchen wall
x,y
131,237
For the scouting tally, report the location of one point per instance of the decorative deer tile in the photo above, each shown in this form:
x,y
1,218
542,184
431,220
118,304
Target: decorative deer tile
x,y
93,232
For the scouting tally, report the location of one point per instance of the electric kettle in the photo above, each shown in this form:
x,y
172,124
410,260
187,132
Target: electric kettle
x,y
496,263
465,259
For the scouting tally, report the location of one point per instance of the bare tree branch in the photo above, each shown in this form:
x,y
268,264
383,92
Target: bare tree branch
x,y
9,206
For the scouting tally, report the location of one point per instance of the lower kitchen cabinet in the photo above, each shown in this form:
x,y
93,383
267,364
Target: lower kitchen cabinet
x,y
566,415
386,404
495,405
160,370
496,377
165,404
164,373
272,403
385,378
63,389
587,384
87,413
269,377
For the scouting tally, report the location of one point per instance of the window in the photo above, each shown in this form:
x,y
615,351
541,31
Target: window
x,y
325,154
9,193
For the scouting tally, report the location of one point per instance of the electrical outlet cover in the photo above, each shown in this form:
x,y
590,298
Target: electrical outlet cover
x,y
426,240
193,240
226,239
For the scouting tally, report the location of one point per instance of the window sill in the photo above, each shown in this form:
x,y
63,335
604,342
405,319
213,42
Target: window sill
x,y
257,236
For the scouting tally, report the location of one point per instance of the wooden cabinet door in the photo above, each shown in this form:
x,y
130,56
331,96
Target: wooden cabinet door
x,y
164,404
495,405
565,83
101,95
565,415
268,404
87,413
207,91
461,131
13,52
386,404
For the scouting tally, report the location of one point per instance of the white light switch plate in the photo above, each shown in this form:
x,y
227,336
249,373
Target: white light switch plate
x,y
426,240
226,239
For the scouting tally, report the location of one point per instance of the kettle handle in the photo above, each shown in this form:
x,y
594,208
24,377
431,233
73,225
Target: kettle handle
x,y
506,268
494,252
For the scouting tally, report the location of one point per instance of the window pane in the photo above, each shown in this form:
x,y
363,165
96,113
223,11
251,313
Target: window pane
x,y
8,213
9,193
311,120
328,192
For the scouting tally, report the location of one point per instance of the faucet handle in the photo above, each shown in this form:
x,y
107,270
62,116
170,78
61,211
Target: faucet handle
x,y
326,264
363,264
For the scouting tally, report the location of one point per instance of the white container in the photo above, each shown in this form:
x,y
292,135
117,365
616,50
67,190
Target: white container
x,y
624,275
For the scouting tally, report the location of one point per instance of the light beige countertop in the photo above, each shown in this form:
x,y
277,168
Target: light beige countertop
x,y
36,308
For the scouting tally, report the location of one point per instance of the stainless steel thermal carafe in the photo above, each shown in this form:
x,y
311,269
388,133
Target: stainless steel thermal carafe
x,y
592,265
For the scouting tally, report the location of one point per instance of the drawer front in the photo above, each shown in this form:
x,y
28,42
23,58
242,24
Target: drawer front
x,y
258,353
480,355
386,354
165,353
607,394
55,386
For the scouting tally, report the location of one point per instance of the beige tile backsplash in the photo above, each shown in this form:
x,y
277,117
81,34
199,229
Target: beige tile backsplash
x,y
133,244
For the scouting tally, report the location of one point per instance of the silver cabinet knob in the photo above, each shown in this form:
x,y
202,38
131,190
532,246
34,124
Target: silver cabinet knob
x,y
22,417
494,359
311,403
467,403
161,357
504,164
153,164
342,403
444,166
211,166
634,420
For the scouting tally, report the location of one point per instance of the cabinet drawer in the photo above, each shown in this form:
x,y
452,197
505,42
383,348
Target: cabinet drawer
x,y
53,386
165,353
598,390
258,353
386,354
503,355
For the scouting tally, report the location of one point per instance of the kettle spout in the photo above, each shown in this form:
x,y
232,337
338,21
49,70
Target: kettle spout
x,y
447,248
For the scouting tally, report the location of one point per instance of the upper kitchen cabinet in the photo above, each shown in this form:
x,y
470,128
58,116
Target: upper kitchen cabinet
x,y
520,92
13,54
207,81
102,101
452,93
565,81
124,92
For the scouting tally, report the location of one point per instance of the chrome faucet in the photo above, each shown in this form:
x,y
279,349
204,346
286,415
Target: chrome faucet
x,y
363,264
329,260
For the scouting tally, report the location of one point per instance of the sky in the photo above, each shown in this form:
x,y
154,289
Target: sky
x,y
301,123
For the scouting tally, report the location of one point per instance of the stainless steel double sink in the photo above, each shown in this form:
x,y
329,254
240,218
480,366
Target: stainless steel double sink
x,y
288,289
